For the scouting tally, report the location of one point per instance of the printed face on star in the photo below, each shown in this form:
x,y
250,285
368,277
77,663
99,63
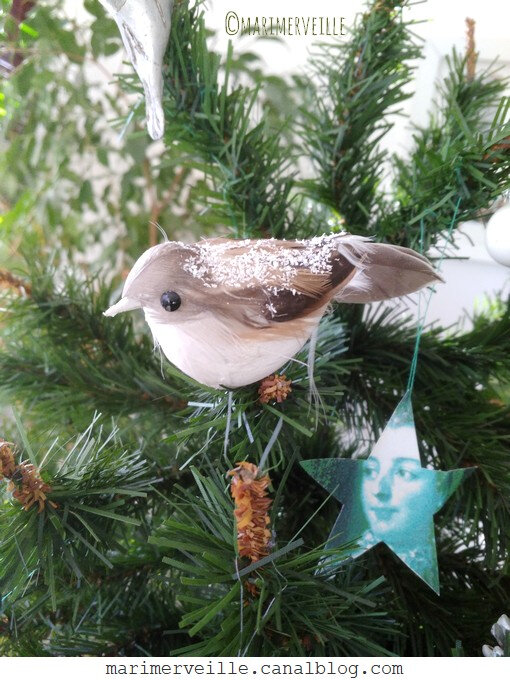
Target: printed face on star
x,y
396,493
387,498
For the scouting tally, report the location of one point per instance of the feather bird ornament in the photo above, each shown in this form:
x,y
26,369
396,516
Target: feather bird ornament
x,y
230,312
144,26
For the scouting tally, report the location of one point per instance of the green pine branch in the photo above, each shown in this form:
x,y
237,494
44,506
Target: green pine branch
x,y
293,611
359,84
61,356
461,154
214,125
97,497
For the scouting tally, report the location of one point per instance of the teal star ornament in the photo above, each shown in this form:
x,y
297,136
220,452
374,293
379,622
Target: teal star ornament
x,y
389,497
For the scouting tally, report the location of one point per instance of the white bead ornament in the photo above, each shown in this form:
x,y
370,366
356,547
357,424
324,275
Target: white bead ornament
x,y
497,236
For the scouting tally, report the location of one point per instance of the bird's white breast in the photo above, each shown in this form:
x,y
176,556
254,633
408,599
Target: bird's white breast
x,y
213,355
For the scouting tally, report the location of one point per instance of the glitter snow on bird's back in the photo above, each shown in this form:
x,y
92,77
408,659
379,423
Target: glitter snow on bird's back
x,y
271,263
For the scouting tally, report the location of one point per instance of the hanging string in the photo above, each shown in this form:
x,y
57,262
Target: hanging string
x,y
421,318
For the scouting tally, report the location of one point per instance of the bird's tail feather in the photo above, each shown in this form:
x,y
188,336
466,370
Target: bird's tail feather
x,y
384,271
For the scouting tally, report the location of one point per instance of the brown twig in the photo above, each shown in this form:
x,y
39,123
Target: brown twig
x,y
471,54
19,10
158,206
8,280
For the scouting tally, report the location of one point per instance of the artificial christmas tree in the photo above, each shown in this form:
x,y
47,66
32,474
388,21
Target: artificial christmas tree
x,y
118,531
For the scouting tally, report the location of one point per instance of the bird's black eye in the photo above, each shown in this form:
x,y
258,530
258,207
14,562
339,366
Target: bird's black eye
x,y
170,301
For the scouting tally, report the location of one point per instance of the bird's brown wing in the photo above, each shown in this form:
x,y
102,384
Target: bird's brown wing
x,y
268,301
267,282
316,291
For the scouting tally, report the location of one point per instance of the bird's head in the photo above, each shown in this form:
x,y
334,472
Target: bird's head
x,y
159,284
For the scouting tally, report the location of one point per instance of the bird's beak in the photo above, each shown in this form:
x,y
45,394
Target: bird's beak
x,y
125,304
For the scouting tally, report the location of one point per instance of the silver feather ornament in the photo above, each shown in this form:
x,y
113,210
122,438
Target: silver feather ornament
x,y
145,27
230,312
